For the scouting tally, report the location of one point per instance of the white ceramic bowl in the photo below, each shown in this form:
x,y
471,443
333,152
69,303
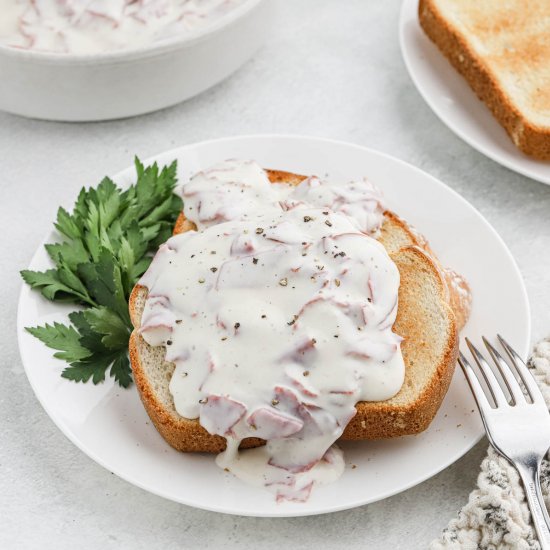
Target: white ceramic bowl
x,y
128,83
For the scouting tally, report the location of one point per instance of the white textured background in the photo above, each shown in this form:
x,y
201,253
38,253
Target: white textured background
x,y
332,69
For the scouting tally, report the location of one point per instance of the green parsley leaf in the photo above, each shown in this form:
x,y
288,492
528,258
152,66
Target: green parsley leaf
x,y
104,283
50,284
63,338
122,371
114,330
71,254
106,245
67,225
93,367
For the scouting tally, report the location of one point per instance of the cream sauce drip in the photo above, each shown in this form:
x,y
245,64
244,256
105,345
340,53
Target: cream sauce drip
x,y
278,315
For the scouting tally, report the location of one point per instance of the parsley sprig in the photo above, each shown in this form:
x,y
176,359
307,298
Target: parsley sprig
x,y
104,249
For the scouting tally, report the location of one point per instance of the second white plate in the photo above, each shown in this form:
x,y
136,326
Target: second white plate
x,y
453,101
110,425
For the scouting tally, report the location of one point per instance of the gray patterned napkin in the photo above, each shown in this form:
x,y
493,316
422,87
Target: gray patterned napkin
x,y
496,515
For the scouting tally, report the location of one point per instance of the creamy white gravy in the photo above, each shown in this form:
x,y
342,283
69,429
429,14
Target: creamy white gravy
x,y
278,314
93,26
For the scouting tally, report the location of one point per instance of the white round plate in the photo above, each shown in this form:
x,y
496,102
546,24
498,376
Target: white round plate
x,y
110,425
453,101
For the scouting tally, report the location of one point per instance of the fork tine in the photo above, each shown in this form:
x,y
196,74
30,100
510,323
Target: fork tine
x,y
490,378
473,381
522,370
506,372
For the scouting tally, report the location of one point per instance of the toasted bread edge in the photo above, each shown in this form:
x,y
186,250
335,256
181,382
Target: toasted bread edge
x,y
528,137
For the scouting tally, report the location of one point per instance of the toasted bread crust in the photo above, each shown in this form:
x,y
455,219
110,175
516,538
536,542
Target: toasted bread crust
x,y
392,418
374,420
531,139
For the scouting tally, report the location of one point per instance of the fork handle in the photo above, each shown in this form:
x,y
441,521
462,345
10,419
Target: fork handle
x,y
529,472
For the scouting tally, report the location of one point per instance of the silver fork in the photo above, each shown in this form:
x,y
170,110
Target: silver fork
x,y
517,427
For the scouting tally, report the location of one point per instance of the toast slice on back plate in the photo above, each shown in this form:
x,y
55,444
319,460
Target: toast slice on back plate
x,y
433,305
502,48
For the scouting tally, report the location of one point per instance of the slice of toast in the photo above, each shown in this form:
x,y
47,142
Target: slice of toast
x,y
424,318
503,51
